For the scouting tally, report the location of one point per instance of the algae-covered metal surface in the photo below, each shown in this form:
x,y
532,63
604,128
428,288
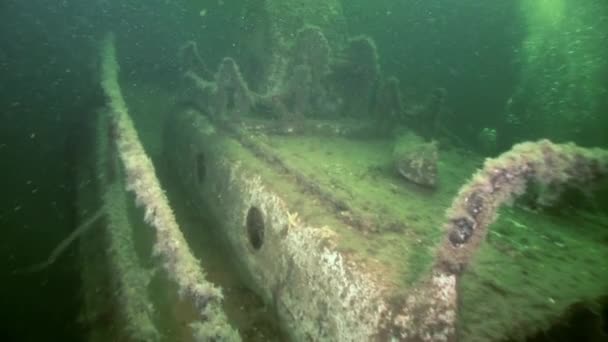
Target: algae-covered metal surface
x,y
358,213
346,193
347,227
305,170
350,227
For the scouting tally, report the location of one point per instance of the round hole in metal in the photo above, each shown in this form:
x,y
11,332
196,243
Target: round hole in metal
x,y
255,227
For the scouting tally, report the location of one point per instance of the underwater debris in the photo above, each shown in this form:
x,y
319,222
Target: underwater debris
x,y
190,60
269,31
434,107
307,81
424,310
416,160
354,75
225,95
129,280
311,48
299,90
310,86
388,103
302,92
65,243
311,52
232,95
170,247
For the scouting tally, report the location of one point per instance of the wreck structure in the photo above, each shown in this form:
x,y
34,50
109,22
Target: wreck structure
x,y
349,224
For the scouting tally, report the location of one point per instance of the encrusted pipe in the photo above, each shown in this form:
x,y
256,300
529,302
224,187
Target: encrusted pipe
x,y
430,310
171,247
506,177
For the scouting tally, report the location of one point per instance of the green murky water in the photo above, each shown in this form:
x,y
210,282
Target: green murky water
x,y
474,77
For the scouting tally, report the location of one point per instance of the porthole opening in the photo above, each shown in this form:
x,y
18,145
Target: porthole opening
x,y
201,168
255,227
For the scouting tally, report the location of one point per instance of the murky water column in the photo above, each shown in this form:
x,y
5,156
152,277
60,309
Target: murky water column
x,y
562,88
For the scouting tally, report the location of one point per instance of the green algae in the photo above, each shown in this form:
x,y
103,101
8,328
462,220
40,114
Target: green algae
x,y
407,219
532,268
